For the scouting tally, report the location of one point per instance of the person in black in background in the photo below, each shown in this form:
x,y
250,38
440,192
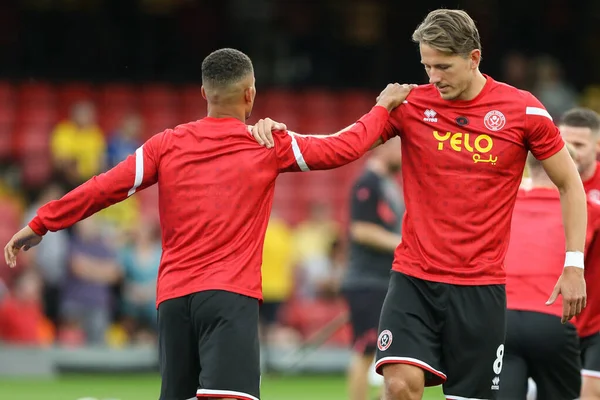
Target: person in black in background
x,y
376,210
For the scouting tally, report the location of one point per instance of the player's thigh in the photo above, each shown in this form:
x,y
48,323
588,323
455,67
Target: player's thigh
x,y
514,375
227,329
590,356
178,350
365,308
553,354
473,341
409,327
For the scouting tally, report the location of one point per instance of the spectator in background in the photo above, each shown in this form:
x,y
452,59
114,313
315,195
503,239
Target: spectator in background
x,y
277,276
78,145
314,237
21,316
125,140
320,276
51,257
87,296
139,261
516,70
555,94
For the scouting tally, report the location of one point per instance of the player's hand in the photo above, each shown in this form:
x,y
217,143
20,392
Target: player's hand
x,y
571,285
25,239
393,95
262,131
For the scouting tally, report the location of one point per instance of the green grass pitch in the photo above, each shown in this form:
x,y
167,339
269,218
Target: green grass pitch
x,y
145,387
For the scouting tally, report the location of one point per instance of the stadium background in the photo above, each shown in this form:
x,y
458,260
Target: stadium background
x,y
128,69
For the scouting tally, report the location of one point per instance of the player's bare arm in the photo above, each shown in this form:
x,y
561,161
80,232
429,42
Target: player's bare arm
x,y
25,239
390,97
571,284
375,236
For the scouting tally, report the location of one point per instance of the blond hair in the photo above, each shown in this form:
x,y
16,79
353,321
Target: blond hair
x,y
448,31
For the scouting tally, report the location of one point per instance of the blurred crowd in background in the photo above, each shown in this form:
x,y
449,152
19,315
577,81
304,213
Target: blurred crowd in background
x,y
88,82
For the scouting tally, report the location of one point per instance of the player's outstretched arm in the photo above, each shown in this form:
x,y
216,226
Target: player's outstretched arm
x,y
571,284
304,152
262,131
135,173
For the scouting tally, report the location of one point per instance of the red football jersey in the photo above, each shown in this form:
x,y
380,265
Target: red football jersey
x,y
536,253
462,163
588,322
216,187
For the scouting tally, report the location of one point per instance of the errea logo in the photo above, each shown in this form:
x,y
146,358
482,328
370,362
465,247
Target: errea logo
x,y
430,116
496,383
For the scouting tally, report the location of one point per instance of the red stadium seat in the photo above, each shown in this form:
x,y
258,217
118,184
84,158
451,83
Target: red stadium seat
x,y
281,106
31,140
193,105
34,94
354,104
6,141
159,121
110,118
157,96
36,169
7,94
7,113
37,115
71,93
117,96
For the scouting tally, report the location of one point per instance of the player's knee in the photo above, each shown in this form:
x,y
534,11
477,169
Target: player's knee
x,y
403,382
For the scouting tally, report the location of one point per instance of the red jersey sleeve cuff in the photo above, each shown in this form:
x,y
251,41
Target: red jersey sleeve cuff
x,y
380,111
37,226
558,146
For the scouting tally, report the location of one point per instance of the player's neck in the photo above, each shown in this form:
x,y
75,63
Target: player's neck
x,y
475,88
221,111
589,172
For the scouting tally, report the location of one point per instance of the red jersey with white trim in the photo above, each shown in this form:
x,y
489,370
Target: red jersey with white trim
x,y
216,187
462,163
536,253
588,322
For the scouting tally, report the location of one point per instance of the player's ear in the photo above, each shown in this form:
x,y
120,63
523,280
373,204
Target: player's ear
x,y
249,94
203,92
475,58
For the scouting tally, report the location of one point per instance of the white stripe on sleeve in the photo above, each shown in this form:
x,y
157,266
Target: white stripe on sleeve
x,y
538,111
139,170
298,154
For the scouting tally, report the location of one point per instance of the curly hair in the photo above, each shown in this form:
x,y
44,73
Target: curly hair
x,y
225,66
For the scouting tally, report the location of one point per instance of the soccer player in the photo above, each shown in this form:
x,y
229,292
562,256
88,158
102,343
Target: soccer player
x,y
581,128
376,212
215,194
465,139
537,344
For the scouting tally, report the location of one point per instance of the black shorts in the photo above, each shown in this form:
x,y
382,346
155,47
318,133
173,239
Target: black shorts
x,y
365,307
209,346
590,356
541,347
454,333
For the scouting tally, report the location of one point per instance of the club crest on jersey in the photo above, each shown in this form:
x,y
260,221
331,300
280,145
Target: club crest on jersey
x,y
385,340
430,116
494,120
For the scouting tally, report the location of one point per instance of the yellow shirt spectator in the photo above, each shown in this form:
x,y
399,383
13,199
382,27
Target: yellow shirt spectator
x,y
86,146
277,266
